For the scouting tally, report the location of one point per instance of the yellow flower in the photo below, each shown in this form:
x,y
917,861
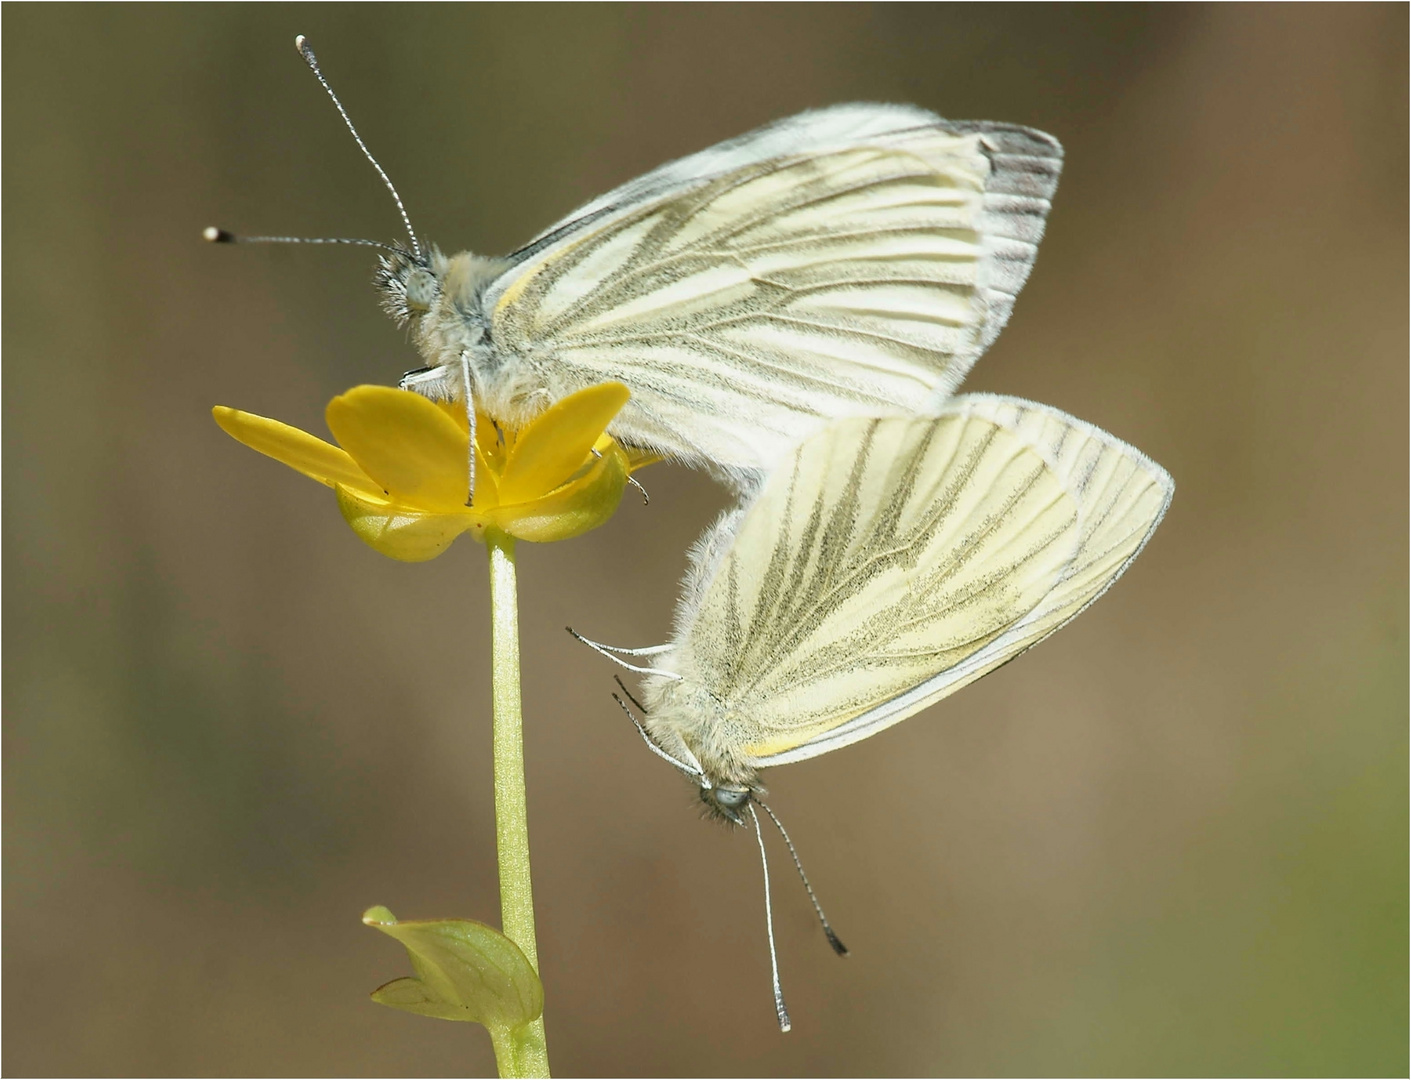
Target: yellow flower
x,y
402,471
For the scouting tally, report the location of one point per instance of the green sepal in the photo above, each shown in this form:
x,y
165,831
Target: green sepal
x,y
465,970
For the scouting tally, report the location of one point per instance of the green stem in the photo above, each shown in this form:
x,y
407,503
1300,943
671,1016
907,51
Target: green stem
x,y
529,1052
505,1058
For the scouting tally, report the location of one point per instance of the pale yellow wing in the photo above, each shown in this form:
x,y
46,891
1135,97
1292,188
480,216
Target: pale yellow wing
x,y
853,261
898,560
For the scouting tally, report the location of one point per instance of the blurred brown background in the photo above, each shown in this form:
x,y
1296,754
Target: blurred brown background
x,y
1171,840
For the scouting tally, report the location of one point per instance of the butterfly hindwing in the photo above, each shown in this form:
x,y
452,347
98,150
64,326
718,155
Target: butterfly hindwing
x,y
900,559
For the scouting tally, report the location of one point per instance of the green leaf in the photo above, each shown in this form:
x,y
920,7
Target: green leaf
x,y
465,970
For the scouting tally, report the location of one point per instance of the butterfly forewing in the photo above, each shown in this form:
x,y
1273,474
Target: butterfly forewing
x,y
814,274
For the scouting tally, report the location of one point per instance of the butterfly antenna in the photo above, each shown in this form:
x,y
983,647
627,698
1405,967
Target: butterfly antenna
x,y
221,236
833,939
302,44
784,1022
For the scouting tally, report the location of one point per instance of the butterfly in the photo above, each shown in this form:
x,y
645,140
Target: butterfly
x,y
853,260
887,563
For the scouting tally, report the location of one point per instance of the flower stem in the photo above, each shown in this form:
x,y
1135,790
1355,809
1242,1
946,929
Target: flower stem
x,y
528,1052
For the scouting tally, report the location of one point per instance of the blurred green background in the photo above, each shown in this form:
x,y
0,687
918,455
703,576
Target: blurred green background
x,y
1171,840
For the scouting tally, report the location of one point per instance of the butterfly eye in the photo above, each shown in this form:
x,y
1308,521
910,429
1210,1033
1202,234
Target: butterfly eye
x,y
731,798
420,291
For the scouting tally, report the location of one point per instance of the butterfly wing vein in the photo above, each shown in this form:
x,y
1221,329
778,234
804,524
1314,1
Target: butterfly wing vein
x,y
839,275
901,559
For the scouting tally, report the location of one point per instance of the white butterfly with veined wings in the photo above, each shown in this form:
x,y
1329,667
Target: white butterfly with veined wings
x,y
886,564
850,261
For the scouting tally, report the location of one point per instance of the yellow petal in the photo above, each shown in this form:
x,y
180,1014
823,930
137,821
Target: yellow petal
x,y
555,445
493,445
404,442
573,509
400,533
299,450
489,450
637,458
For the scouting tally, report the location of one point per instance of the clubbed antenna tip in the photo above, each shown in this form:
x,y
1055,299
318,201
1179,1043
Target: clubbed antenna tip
x,y
837,942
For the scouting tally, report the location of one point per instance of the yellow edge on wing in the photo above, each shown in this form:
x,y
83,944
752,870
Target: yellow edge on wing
x,y
518,285
789,740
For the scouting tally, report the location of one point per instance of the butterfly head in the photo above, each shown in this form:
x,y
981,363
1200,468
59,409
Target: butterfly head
x,y
441,298
726,799
410,285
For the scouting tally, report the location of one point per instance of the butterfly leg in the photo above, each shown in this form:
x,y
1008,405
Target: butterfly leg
x,y
646,499
469,399
446,383
441,383
609,651
650,650
692,770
